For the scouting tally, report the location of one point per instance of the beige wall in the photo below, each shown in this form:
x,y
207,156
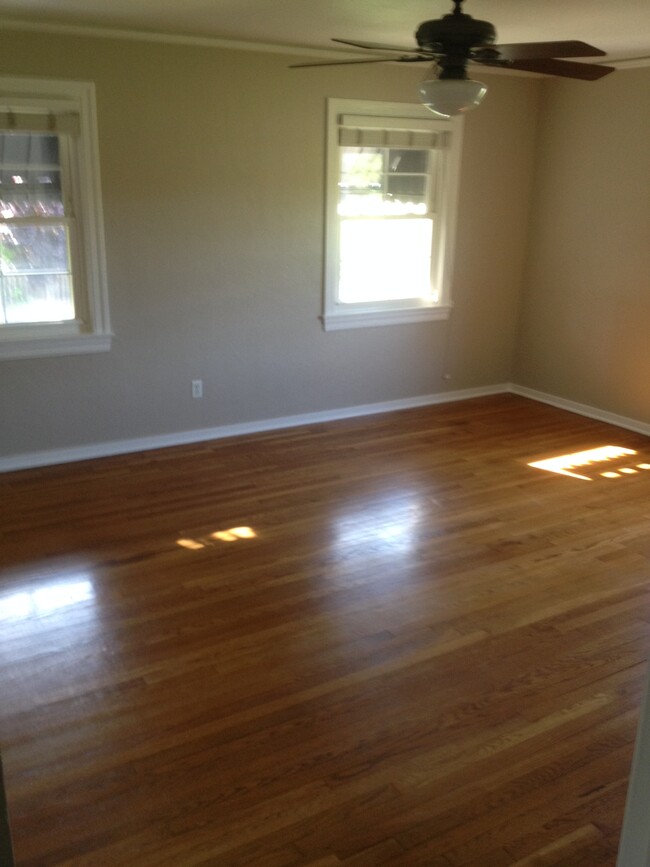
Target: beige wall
x,y
212,171
585,324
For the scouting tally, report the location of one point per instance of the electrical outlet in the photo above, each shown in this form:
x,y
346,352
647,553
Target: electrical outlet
x,y
197,388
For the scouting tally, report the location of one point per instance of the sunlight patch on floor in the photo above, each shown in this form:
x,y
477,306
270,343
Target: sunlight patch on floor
x,y
566,464
234,534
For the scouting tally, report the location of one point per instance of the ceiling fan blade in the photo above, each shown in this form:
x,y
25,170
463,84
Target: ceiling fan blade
x,y
343,62
564,68
377,46
534,50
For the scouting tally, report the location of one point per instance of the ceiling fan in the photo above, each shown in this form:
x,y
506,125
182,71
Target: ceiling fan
x,y
456,39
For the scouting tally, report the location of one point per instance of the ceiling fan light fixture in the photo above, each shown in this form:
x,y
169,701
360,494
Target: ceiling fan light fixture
x,y
447,97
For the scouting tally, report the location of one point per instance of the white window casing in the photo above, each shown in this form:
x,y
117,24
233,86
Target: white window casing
x,y
388,128
67,110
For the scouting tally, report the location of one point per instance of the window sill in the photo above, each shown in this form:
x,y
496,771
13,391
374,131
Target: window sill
x,y
370,319
51,346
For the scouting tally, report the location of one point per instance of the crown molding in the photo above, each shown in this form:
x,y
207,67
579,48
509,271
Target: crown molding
x,y
96,31
88,30
171,38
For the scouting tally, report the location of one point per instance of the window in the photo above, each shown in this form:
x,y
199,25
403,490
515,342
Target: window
x,y
52,271
392,180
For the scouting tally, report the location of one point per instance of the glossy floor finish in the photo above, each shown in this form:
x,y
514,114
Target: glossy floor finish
x,y
384,641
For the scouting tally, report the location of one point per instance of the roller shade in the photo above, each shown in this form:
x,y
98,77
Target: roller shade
x,y
33,121
392,132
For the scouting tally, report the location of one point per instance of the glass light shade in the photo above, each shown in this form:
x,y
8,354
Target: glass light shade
x,y
449,96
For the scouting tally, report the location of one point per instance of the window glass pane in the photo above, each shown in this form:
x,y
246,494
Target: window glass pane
x,y
383,182
410,161
407,188
35,274
30,176
361,169
384,260
407,175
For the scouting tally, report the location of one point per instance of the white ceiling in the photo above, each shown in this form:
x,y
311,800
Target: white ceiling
x,y
619,27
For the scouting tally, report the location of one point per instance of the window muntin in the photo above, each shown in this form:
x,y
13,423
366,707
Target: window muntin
x,y
391,195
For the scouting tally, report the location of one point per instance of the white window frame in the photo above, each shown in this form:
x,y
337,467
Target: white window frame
x,y
90,331
339,315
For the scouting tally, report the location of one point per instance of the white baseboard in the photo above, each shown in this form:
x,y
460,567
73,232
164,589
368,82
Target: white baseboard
x,y
583,409
29,460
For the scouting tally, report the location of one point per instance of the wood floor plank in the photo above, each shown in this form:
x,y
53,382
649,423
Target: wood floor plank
x,y
385,640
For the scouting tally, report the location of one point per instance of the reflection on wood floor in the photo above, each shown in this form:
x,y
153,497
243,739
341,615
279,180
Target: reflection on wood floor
x,y
381,641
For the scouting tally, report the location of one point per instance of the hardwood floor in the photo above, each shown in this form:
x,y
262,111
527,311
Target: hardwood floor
x,y
384,641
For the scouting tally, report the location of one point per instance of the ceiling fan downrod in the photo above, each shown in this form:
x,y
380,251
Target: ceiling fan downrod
x,y
457,32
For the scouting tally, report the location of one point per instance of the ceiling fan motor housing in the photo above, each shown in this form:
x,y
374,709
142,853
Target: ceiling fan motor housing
x,y
456,31
453,37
